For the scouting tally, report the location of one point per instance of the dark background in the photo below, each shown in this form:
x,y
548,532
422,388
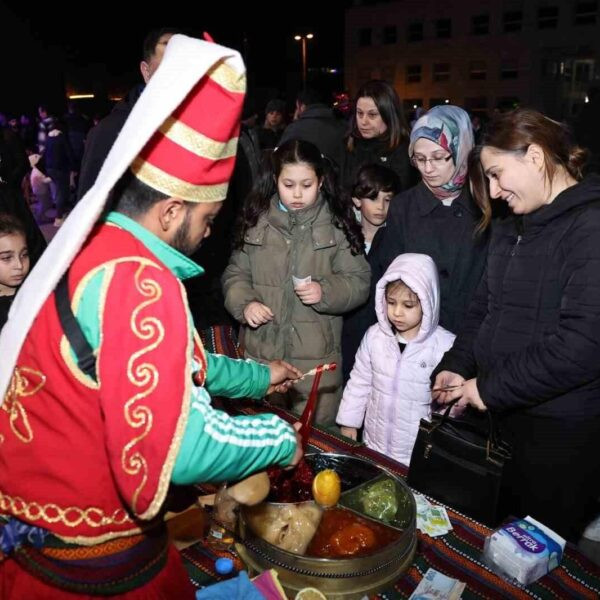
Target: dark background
x,y
51,50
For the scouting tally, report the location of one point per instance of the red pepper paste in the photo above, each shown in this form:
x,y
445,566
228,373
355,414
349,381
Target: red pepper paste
x,y
344,534
291,485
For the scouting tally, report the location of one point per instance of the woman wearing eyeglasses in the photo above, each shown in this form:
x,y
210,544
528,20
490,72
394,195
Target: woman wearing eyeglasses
x,y
378,134
438,217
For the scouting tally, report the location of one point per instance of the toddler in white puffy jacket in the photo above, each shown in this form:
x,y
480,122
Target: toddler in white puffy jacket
x,y
389,389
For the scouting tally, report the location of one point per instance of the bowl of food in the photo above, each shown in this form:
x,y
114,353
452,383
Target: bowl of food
x,y
357,547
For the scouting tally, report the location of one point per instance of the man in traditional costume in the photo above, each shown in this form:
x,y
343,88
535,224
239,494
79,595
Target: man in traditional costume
x,y
105,383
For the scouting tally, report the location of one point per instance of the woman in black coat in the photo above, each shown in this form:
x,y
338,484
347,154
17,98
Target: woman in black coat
x,y
530,347
378,134
438,217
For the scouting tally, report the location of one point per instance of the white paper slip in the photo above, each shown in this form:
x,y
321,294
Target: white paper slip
x,y
437,586
431,519
301,281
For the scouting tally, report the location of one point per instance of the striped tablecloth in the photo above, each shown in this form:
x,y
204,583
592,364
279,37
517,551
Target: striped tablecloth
x,y
456,554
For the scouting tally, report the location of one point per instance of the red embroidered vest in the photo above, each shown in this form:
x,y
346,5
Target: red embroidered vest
x,y
90,461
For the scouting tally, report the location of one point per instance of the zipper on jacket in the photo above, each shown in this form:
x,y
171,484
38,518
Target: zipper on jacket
x,y
392,415
514,249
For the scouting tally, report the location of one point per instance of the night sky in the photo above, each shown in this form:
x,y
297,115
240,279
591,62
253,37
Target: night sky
x,y
86,47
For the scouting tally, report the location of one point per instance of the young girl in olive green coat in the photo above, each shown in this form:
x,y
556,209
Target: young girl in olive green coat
x,y
297,268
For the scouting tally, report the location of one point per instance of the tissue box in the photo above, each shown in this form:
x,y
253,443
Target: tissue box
x,y
524,550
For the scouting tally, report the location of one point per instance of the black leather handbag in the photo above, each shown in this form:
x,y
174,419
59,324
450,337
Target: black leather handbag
x,y
459,462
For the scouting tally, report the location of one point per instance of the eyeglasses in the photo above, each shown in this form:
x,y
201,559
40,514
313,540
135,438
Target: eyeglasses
x,y
420,161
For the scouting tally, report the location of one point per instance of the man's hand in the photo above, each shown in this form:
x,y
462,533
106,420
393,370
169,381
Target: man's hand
x,y
283,376
299,452
257,314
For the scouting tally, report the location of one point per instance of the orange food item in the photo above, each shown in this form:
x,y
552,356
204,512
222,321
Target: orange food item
x,y
344,534
353,539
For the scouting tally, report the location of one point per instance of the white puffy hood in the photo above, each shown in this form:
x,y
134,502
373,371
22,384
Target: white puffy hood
x,y
419,273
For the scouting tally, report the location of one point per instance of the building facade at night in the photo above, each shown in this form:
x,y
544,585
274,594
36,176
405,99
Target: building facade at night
x,y
480,54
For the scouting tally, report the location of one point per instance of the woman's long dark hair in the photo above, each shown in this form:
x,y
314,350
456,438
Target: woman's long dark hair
x,y
390,108
265,186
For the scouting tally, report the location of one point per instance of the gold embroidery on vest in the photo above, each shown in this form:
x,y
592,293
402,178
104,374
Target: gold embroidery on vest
x,y
22,385
71,516
164,479
109,268
142,375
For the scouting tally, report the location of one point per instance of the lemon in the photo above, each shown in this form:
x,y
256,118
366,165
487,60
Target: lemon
x,y
326,488
310,594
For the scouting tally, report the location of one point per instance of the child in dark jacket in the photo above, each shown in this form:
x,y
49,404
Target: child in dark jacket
x,y
371,194
14,261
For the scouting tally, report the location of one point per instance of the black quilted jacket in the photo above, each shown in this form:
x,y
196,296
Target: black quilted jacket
x,y
532,334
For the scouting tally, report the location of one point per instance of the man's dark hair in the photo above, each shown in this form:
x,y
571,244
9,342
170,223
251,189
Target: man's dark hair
x,y
310,96
151,39
133,197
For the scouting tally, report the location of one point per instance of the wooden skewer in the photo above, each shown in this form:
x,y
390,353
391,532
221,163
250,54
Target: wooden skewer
x,y
447,388
325,367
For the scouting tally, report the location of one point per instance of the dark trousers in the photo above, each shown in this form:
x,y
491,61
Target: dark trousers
x,y
554,475
60,190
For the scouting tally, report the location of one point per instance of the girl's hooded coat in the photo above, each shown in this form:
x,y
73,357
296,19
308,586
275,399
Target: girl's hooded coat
x,y
388,389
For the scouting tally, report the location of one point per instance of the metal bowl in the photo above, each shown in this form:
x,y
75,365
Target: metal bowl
x,y
338,578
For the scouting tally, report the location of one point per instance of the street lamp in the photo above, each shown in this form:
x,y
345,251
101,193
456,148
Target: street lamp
x,y
303,38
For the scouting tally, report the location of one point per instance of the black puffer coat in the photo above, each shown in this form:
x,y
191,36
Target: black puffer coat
x,y
419,222
532,335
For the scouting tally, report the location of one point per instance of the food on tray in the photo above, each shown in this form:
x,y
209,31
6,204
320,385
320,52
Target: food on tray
x,y
344,534
291,485
379,500
287,526
326,488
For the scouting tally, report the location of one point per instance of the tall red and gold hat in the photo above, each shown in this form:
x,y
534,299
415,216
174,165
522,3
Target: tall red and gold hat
x,y
180,138
192,154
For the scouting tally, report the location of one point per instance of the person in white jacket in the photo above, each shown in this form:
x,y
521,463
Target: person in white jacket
x,y
389,387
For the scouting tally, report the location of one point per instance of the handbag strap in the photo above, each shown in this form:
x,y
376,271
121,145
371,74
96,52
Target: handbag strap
x,y
494,440
72,330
